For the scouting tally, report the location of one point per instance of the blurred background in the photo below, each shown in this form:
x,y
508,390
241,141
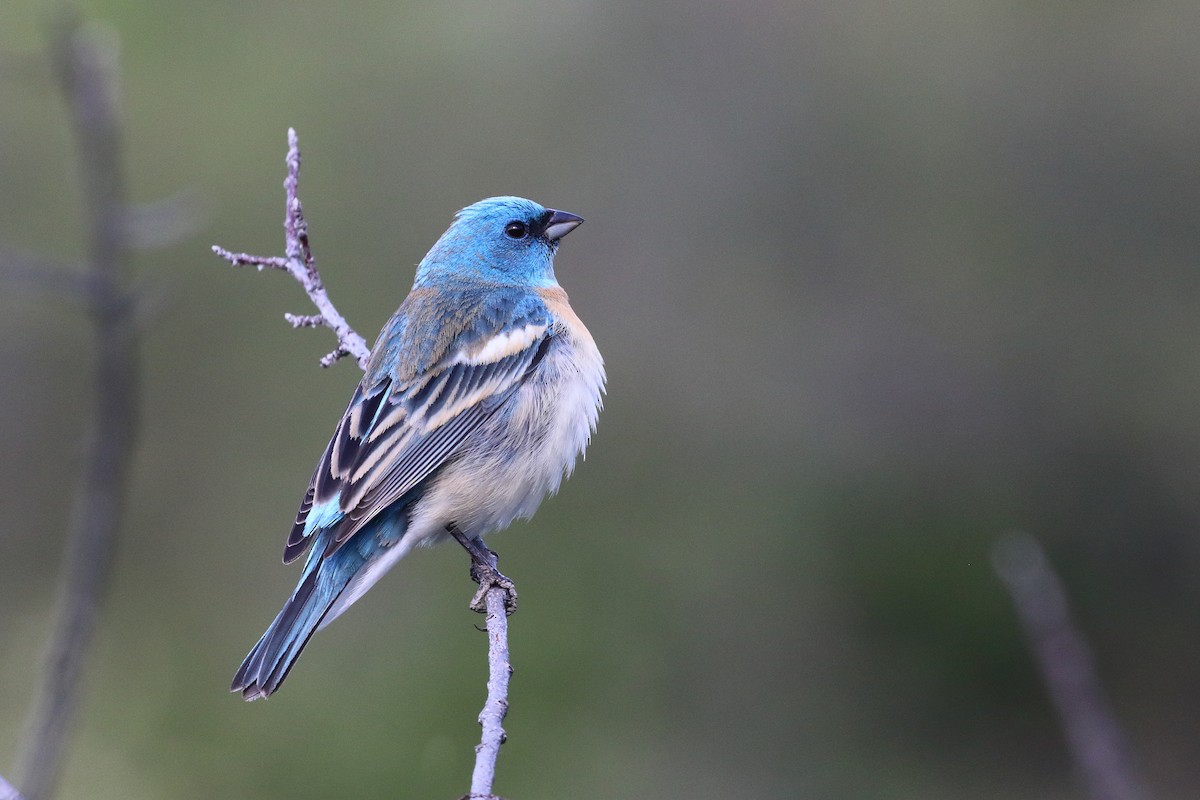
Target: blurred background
x,y
876,283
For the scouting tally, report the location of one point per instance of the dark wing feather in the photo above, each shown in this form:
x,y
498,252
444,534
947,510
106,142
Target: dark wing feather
x,y
393,437
414,449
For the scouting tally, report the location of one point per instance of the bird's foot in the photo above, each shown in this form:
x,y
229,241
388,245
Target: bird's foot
x,y
484,571
488,578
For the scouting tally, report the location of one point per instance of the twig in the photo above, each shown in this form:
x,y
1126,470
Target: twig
x,y
86,68
496,706
8,791
299,262
1065,661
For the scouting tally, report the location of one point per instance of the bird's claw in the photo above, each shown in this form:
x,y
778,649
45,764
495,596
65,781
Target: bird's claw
x,y
485,571
488,578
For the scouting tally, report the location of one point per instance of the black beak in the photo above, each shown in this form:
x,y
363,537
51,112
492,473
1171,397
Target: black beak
x,y
559,223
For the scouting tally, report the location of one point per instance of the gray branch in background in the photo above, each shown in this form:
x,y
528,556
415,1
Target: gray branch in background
x,y
1065,661
86,65
300,264
57,279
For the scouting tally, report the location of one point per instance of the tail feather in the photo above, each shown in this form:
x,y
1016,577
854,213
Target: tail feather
x,y
269,661
329,585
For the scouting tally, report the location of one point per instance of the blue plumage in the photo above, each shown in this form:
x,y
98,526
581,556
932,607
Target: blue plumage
x,y
481,391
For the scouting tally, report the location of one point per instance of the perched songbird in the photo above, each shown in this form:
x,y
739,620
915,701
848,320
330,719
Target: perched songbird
x,y
481,391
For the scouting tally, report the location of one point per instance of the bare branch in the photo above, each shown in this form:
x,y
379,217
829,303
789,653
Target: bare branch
x,y
305,321
86,67
1068,670
247,260
495,708
300,263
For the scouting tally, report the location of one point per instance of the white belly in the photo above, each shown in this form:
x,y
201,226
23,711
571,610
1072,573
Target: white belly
x,y
511,463
505,469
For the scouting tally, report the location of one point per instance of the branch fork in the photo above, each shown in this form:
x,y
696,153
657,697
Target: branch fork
x,y
301,265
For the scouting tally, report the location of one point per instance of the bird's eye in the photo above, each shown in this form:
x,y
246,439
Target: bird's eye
x,y
516,230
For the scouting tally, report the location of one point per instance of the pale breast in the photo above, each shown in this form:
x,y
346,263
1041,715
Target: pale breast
x,y
508,466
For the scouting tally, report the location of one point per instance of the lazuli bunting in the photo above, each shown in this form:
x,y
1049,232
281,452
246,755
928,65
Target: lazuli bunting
x,y
481,391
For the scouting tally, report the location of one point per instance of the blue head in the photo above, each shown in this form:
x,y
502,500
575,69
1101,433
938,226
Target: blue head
x,y
502,240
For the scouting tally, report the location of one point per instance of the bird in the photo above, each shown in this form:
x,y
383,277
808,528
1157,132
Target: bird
x,y
479,394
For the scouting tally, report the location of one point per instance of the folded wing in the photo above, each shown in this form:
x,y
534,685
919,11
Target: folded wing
x,y
395,433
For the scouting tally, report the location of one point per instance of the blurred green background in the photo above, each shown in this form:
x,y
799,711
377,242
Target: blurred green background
x,y
875,282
